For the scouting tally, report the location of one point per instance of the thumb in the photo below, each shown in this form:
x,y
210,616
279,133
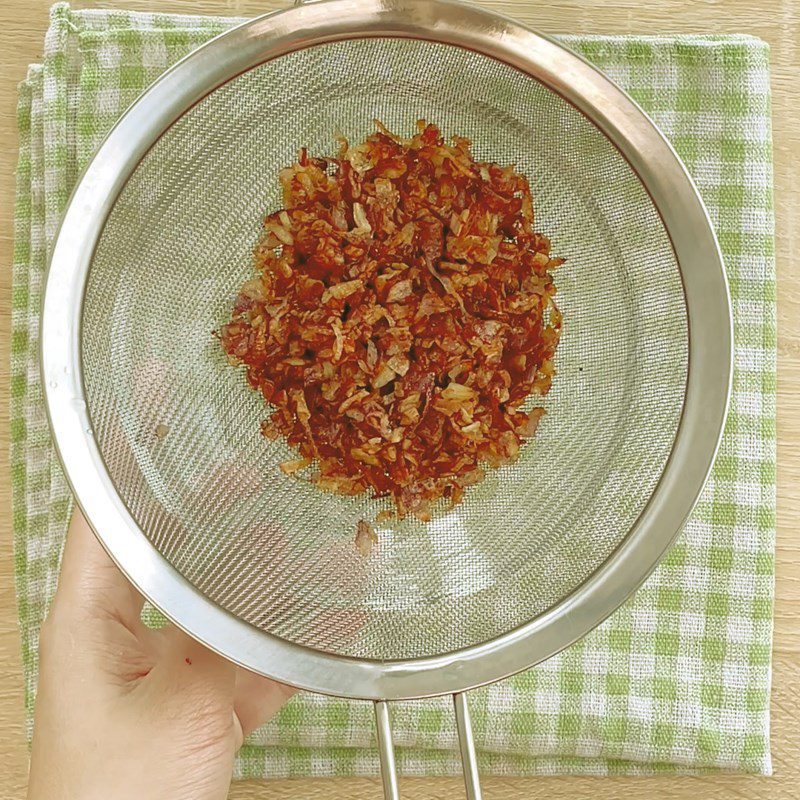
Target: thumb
x,y
90,582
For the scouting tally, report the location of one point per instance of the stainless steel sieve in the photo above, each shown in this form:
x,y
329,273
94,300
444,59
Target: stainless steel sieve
x,y
160,439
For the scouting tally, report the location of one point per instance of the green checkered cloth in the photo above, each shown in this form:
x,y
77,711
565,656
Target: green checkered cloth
x,y
677,681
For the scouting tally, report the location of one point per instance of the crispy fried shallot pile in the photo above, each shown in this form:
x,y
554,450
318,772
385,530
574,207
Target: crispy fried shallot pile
x,y
402,314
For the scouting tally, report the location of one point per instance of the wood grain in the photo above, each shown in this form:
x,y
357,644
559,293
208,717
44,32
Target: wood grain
x,y
22,27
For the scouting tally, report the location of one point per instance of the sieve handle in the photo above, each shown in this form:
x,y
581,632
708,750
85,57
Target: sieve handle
x,y
383,726
466,742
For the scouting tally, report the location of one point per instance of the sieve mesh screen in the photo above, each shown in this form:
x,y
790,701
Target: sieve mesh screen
x,y
274,550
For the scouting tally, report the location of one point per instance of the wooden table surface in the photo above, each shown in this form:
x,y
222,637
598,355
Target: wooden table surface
x,y
22,27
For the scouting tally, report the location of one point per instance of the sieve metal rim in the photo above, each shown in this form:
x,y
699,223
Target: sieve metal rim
x,y
685,219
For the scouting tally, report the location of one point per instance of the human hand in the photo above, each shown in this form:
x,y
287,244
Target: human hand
x,y
127,713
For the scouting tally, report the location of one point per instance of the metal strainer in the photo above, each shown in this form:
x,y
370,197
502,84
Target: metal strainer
x,y
160,439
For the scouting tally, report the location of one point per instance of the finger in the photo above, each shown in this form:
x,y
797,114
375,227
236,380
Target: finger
x,y
90,582
257,699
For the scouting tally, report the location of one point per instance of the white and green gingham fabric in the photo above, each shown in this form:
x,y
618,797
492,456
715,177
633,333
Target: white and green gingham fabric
x,y
678,679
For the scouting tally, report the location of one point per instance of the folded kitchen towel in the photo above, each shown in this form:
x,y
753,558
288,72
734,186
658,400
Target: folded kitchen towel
x,y
678,679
